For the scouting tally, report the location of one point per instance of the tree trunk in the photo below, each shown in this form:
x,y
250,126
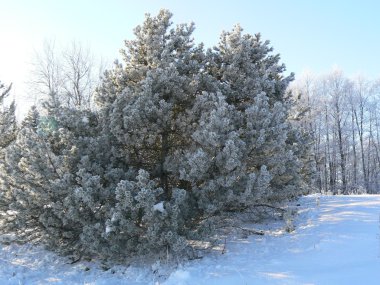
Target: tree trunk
x,y
355,162
342,160
163,174
359,125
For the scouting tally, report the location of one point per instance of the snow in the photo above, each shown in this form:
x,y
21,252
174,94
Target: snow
x,y
335,241
108,229
159,207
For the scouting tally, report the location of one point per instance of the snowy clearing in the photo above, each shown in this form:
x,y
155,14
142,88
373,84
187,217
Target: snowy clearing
x,y
336,241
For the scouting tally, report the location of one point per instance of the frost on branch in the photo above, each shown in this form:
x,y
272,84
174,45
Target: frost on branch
x,y
180,137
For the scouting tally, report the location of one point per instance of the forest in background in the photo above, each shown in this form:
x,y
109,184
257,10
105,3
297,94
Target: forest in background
x,y
341,114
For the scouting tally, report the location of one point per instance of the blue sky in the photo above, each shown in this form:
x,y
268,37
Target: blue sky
x,y
309,35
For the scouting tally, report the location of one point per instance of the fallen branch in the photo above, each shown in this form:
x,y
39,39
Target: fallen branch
x,y
252,231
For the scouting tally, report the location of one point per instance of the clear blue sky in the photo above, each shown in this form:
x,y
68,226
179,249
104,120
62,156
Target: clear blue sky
x,y
309,35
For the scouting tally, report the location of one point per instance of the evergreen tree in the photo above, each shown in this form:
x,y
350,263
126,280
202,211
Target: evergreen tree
x,y
147,107
214,125
8,130
181,136
41,166
243,153
8,125
154,95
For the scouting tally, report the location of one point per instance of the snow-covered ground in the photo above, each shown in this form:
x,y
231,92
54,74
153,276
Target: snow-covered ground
x,y
336,241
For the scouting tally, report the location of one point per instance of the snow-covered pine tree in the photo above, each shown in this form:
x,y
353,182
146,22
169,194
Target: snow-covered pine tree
x,y
70,190
300,140
147,106
24,178
8,125
151,97
41,167
8,131
252,80
181,135
213,125
242,154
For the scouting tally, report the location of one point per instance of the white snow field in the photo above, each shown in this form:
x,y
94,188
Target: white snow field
x,y
336,241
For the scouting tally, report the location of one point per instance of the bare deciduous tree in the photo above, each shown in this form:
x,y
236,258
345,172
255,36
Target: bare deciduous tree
x,y
344,122
79,78
46,74
70,74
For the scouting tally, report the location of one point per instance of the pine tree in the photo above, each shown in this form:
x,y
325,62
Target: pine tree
x,y
154,95
41,168
213,124
147,105
8,125
243,154
8,131
181,136
254,83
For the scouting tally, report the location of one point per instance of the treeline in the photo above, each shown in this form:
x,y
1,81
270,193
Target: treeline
x,y
342,116
180,138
